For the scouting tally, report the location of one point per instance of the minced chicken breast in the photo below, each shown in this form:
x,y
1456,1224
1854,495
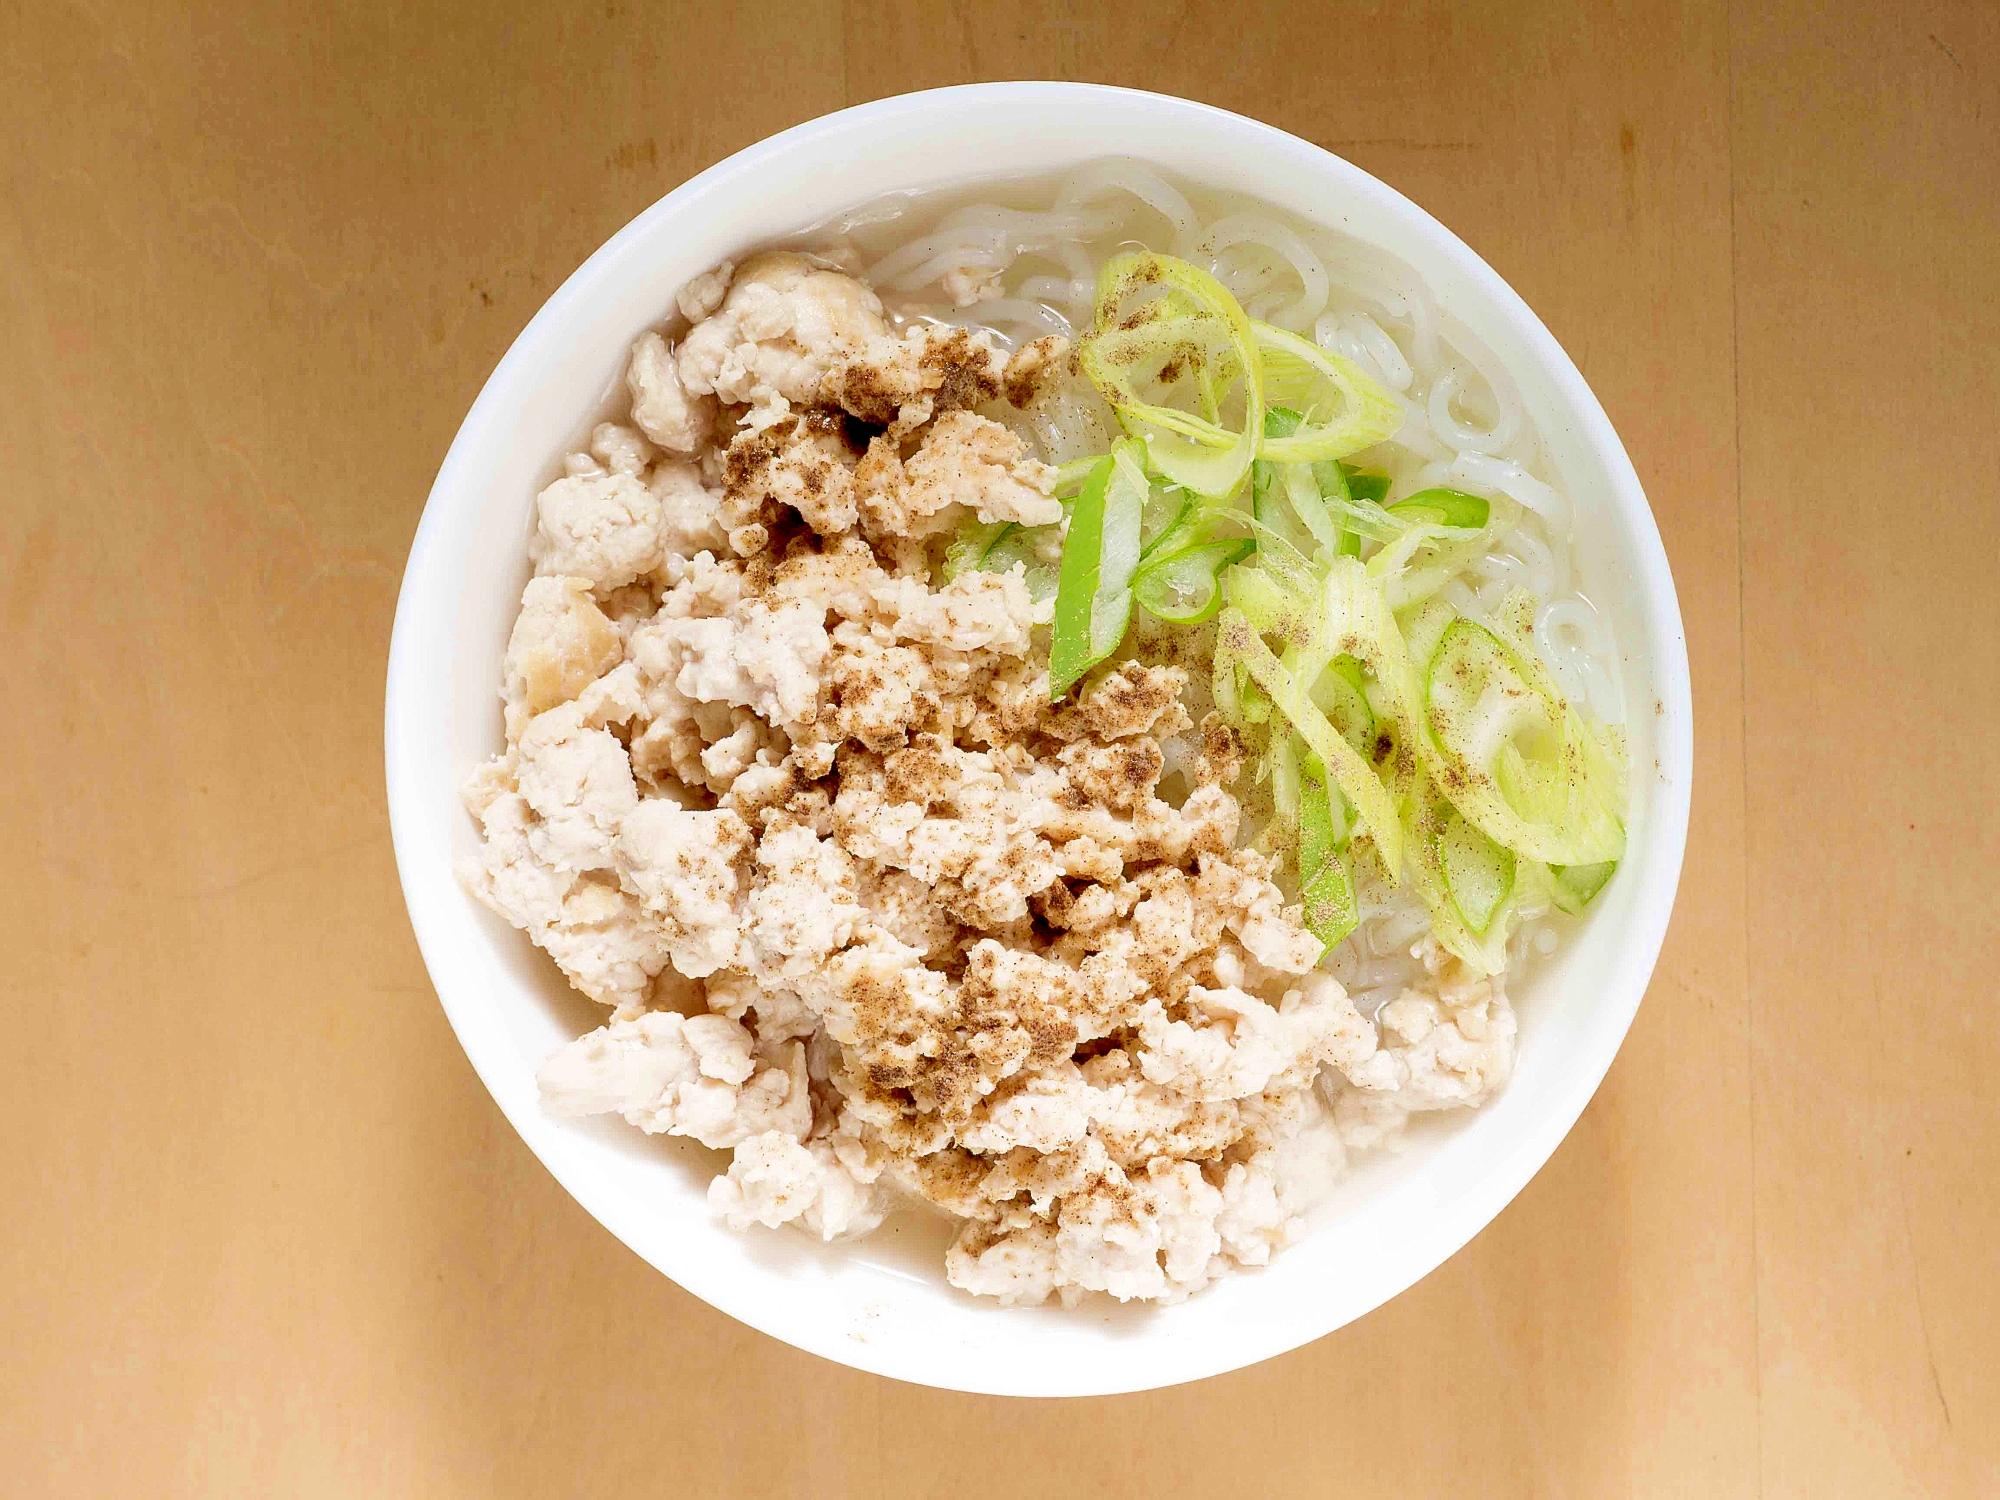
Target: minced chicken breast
x,y
865,908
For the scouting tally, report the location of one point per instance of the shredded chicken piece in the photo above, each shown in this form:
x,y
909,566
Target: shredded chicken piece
x,y
901,383
966,285
1030,366
620,449
969,461
778,332
682,863
699,1076
704,294
690,513
804,466
662,408
774,1179
562,642
604,527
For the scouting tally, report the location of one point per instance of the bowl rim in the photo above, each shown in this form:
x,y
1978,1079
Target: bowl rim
x,y
1667,821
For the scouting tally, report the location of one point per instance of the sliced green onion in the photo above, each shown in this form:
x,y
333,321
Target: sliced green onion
x,y
1444,507
1350,772
1423,627
1369,520
1436,541
1276,594
1001,546
1183,587
1267,498
1030,548
1326,887
1100,553
1386,719
1070,476
970,546
1322,616
1572,887
1242,704
1286,499
1169,509
1428,817
1345,409
1347,668
1365,484
1517,760
1337,496
1478,872
1342,696
1285,780
1280,421
1303,491
1197,332
1356,621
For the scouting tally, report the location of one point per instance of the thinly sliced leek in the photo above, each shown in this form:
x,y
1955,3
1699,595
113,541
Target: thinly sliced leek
x,y
1422,628
1190,331
1344,409
1350,772
1070,476
1285,779
1431,553
1445,507
966,550
1032,549
1385,719
1342,695
1427,819
1267,490
1168,512
1478,873
1357,622
1003,546
1573,887
1515,759
1335,494
1326,885
1100,554
1183,587
1365,484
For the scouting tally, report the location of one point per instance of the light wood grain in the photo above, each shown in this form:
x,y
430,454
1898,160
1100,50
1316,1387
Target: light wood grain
x,y
267,1235
1871,665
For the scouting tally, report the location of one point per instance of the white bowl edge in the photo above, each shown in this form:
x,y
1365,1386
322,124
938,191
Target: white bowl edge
x,y
1395,1222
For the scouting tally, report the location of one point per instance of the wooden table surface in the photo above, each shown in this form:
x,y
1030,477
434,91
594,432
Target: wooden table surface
x,y
266,1233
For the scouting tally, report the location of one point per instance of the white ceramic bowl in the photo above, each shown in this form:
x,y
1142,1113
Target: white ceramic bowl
x,y
882,1304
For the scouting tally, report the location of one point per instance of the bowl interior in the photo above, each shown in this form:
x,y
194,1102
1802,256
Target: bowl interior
x,y
882,1304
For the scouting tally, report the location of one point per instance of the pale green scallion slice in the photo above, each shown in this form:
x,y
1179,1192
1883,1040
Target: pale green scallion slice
x,y
969,548
1445,507
1573,887
1427,819
1183,588
1478,872
1326,886
1345,409
1365,484
1350,772
1515,759
1093,601
1002,546
1191,332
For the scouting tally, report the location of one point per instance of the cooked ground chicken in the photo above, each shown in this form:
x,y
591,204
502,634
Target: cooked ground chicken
x,y
866,908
